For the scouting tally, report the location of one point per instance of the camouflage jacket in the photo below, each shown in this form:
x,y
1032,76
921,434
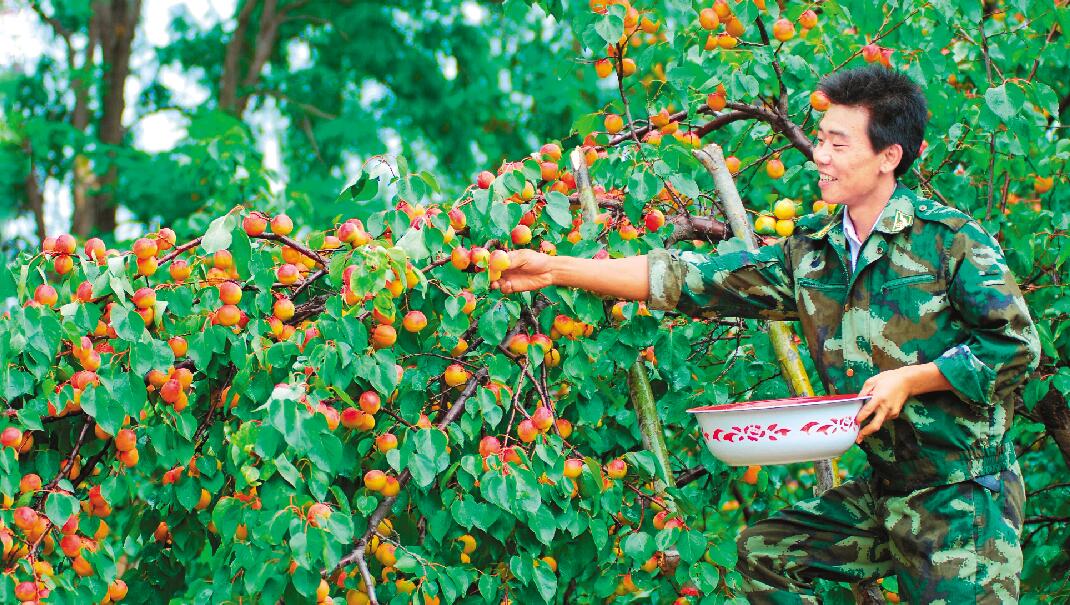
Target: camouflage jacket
x,y
930,286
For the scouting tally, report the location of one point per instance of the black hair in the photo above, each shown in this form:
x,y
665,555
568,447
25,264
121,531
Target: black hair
x,y
896,107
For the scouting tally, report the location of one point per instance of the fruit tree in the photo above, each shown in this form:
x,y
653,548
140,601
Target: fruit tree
x,y
249,407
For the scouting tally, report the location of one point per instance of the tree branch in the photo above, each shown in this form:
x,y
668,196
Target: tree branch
x,y
54,23
690,475
178,250
34,197
721,121
295,245
305,107
403,479
696,227
781,123
782,99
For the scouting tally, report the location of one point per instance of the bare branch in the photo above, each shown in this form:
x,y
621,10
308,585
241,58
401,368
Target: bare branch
x,y
305,107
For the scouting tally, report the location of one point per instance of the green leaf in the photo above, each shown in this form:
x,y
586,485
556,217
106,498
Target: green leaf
x,y
360,190
288,471
326,454
287,416
528,495
488,586
545,581
587,124
1005,100
611,25
153,354
104,409
685,185
706,576
557,208
281,353
431,181
429,456
218,236
691,545
128,324
638,546
494,323
340,527
59,507
413,244
1061,381
742,85
488,407
16,383
498,489
379,370
188,493
544,526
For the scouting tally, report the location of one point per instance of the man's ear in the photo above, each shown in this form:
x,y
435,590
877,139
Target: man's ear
x,y
890,157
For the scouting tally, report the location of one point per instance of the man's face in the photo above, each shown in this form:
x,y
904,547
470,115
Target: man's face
x,y
849,167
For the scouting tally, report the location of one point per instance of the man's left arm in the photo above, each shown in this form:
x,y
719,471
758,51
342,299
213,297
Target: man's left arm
x,y
1002,348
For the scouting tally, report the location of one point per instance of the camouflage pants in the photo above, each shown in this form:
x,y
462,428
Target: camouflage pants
x,y
950,544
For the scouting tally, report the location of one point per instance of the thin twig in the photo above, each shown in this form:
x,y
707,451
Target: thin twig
x,y
295,245
179,250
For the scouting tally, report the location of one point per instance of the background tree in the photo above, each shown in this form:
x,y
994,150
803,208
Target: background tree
x,y
437,77
287,411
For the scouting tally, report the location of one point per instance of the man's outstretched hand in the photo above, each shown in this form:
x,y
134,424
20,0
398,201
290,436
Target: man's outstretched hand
x,y
528,270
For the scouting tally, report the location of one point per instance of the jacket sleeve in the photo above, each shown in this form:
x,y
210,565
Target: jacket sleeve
x,y
736,284
1003,347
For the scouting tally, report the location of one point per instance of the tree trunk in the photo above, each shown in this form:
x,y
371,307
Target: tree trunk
x,y
117,21
266,36
35,200
228,84
241,77
83,181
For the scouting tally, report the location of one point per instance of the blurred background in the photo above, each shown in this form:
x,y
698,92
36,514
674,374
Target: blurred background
x,y
117,116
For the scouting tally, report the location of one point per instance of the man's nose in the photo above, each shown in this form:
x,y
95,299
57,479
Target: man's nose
x,y
821,156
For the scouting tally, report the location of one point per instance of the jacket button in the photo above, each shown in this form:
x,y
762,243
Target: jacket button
x,y
850,372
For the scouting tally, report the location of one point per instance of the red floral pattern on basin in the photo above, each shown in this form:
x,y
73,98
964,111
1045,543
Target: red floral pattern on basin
x,y
845,423
750,432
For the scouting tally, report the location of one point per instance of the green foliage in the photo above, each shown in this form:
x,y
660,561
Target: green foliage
x,y
219,505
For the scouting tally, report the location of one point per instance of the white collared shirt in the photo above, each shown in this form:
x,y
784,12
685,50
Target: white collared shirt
x,y
853,245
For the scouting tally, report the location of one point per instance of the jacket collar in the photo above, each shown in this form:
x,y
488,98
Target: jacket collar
x,y
897,215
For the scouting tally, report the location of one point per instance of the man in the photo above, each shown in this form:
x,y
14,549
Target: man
x,y
902,299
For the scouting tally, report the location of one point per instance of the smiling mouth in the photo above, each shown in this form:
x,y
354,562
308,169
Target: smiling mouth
x,y
824,178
